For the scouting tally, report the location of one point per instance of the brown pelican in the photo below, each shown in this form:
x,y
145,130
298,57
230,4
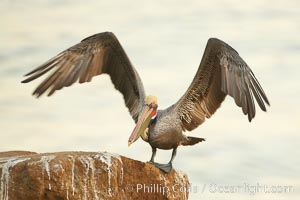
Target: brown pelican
x,y
221,72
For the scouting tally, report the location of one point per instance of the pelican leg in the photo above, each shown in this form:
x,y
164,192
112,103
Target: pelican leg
x,y
153,154
167,167
173,155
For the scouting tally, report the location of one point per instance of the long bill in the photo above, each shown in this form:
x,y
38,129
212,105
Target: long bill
x,y
141,125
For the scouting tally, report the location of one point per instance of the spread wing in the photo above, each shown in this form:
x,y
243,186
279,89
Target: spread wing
x,y
221,72
98,54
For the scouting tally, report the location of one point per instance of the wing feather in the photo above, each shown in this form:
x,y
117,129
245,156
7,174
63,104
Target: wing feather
x,y
98,54
221,72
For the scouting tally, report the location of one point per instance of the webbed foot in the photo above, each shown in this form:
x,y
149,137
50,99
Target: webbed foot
x,y
164,167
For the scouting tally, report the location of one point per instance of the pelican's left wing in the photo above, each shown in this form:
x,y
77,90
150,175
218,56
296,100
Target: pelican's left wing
x,y
221,72
98,54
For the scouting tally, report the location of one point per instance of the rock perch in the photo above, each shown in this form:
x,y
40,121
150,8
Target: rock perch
x,y
85,175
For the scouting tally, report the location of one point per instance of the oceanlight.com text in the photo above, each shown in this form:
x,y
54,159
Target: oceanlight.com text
x,y
212,188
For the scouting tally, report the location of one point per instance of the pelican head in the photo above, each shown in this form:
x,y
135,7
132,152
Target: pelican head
x,y
149,112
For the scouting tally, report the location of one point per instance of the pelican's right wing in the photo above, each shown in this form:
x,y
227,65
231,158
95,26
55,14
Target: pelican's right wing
x,y
95,55
221,72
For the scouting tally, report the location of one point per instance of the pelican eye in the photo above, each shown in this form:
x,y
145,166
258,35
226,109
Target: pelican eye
x,y
152,105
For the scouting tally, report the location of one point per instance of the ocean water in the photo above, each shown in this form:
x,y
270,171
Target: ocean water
x,y
165,41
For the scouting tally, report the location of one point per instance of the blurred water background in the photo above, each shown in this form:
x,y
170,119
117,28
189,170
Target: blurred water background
x,y
165,40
